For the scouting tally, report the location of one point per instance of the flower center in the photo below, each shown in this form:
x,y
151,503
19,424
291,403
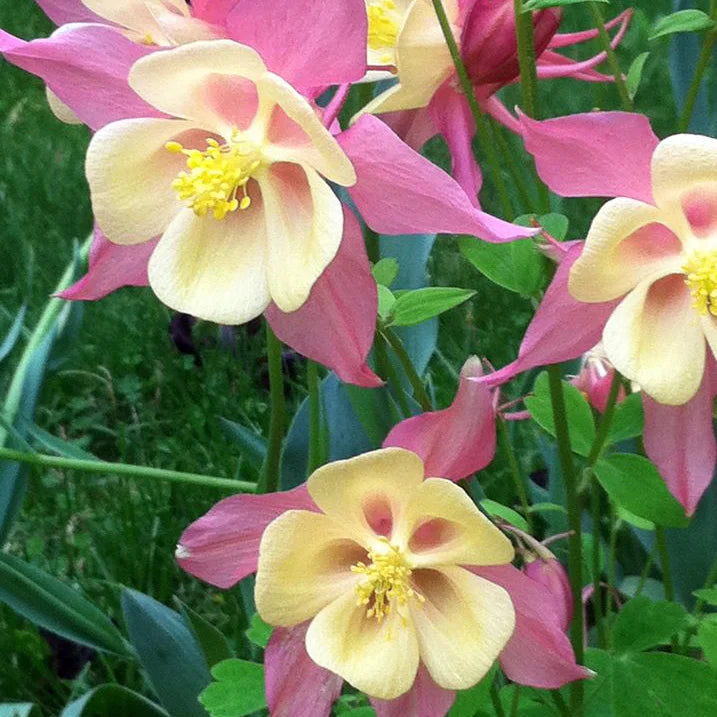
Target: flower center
x,y
216,176
701,271
383,26
386,581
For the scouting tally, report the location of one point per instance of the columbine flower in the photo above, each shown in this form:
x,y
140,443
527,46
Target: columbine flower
x,y
595,378
235,185
662,258
379,573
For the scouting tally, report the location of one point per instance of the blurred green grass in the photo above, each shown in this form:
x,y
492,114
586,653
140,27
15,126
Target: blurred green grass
x,y
126,394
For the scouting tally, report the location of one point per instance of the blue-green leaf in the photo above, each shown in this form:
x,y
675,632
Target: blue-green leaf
x,y
112,701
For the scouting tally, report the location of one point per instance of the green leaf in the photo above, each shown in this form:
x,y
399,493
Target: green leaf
x,y
238,690
707,636
628,419
634,74
635,484
624,514
708,595
682,21
360,712
642,624
579,413
386,301
63,448
516,266
468,702
251,444
259,632
385,271
415,307
169,653
497,510
13,334
112,700
530,5
52,604
20,709
213,643
547,508
553,223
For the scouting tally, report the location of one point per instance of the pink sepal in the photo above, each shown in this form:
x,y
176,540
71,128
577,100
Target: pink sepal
x,y
562,328
62,12
308,43
424,699
214,12
222,546
597,154
550,573
111,267
295,685
400,192
86,66
539,653
459,440
680,441
336,325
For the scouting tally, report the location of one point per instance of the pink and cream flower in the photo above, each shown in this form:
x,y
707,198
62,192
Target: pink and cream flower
x,y
234,182
379,571
661,258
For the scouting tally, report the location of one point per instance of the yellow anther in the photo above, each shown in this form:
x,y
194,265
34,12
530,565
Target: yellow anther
x,y
701,278
147,40
387,582
383,26
216,175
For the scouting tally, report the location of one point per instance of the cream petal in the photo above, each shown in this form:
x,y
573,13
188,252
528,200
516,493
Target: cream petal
x,y
214,269
378,658
442,526
626,244
709,326
656,338
304,226
309,142
422,59
463,625
131,14
130,173
304,565
60,109
368,493
681,164
177,81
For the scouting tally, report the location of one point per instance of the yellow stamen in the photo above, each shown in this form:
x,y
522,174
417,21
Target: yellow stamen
x,y
701,278
383,27
216,175
387,582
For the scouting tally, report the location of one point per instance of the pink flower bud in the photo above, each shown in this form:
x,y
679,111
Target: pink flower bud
x,y
551,574
595,379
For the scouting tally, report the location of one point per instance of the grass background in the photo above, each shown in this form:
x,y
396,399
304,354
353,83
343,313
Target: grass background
x,y
126,394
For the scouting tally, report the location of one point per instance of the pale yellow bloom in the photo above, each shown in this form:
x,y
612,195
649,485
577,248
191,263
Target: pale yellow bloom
x,y
662,259
379,572
407,35
235,186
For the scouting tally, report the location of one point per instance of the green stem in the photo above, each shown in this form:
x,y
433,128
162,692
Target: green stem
x,y
599,20
612,557
49,315
575,544
516,702
606,420
518,480
709,583
597,574
269,479
696,82
646,571
388,371
495,699
419,390
560,703
515,171
125,469
482,129
315,433
661,540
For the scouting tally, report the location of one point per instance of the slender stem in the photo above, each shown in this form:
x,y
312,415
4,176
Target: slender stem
x,y
518,480
516,701
125,469
388,370
52,310
560,703
611,557
269,479
599,20
315,433
646,571
515,172
595,501
575,541
604,427
694,88
495,699
482,130
709,583
419,390
661,540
